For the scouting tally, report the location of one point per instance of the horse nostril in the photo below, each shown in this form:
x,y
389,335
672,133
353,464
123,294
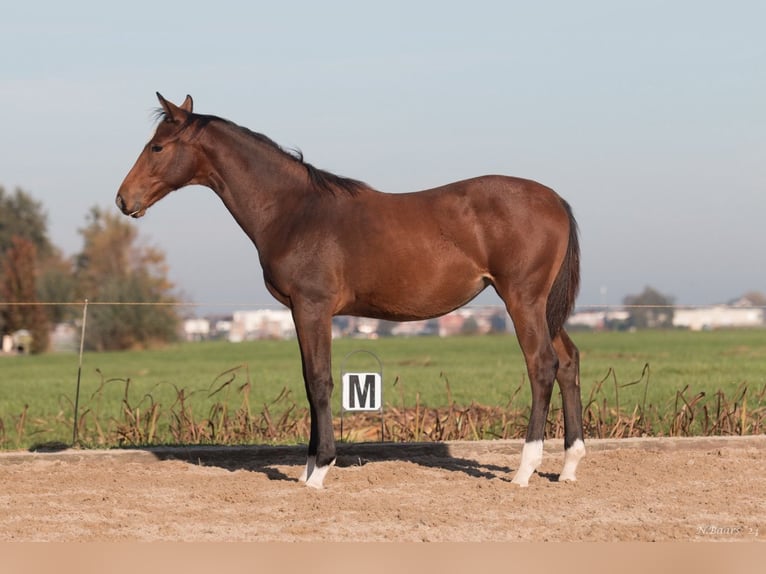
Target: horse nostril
x,y
120,203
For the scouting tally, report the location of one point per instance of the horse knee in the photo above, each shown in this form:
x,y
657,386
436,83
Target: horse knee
x,y
568,373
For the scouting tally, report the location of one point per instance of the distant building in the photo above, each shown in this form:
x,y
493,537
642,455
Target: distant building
x,y
475,321
597,319
17,343
451,324
196,329
278,323
261,324
718,317
415,328
221,327
64,337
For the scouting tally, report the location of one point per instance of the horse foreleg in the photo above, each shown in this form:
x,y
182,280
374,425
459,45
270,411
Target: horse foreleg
x,y
568,376
313,327
313,441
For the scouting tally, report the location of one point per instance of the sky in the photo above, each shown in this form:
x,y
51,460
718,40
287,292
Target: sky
x,y
648,117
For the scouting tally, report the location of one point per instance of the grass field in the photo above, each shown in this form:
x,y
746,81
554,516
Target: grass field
x,y
223,392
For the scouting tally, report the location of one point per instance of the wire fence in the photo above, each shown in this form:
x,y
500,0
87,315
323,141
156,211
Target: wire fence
x,y
81,322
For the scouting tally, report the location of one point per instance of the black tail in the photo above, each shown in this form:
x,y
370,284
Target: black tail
x,y
563,293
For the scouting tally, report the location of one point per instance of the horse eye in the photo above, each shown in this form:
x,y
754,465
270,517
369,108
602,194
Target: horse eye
x,y
156,148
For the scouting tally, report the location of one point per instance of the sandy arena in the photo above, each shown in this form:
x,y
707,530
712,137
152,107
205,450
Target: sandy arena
x,y
695,489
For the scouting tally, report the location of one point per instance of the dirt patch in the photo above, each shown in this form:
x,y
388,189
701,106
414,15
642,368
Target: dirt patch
x,y
629,489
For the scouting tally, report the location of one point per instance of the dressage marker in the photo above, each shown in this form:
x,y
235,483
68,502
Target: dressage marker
x,y
330,245
361,391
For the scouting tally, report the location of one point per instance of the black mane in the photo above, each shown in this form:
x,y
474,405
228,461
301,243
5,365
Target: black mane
x,y
320,179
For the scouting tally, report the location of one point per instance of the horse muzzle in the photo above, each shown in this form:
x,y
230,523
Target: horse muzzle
x,y
134,210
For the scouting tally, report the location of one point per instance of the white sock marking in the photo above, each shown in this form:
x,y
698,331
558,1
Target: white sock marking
x,y
531,457
309,469
572,458
316,479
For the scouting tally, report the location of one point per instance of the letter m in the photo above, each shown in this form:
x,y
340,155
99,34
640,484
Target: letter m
x,y
362,396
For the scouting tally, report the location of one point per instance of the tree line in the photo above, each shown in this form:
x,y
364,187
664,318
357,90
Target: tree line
x,y
113,265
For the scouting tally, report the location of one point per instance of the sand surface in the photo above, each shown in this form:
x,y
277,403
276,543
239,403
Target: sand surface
x,y
630,489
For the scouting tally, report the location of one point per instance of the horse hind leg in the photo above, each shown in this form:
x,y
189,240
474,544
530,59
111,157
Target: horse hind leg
x,y
568,377
542,364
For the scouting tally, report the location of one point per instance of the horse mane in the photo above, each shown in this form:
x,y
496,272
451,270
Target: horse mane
x,y
329,182
320,179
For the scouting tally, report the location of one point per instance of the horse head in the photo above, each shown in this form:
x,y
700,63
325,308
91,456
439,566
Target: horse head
x,y
168,162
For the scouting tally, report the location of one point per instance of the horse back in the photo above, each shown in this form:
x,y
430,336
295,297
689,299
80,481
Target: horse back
x,y
422,254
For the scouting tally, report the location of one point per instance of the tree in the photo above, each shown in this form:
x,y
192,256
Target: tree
x,y
23,216
755,298
18,285
650,309
114,267
470,326
56,283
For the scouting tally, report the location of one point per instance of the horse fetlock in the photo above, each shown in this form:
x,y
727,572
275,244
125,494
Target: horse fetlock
x,y
531,458
316,479
311,463
572,458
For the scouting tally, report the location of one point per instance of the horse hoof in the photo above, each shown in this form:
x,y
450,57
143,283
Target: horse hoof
x,y
520,482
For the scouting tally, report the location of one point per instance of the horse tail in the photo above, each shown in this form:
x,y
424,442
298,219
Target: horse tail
x,y
561,298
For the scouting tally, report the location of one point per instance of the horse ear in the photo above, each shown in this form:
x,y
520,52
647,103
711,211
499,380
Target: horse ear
x,y
188,104
173,112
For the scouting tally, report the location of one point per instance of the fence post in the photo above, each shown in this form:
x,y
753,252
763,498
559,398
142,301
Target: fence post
x,y
75,426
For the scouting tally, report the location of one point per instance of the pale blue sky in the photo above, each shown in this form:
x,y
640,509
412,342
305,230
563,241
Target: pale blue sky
x,y
648,117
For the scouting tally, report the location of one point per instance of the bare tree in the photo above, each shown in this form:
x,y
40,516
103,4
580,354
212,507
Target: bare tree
x,y
650,309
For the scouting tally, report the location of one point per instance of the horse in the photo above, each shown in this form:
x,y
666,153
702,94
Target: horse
x,y
330,245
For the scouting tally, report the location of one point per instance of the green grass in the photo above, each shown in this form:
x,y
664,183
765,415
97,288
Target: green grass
x,y
702,361
37,392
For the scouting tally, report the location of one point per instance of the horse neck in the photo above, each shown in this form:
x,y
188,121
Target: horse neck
x,y
257,182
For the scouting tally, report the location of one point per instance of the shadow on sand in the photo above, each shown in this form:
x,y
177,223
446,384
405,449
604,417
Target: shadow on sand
x,y
267,459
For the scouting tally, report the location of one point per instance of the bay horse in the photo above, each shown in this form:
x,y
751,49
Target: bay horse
x,y
330,245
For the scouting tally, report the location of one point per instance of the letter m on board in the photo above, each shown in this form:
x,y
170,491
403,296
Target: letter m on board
x,y
362,396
